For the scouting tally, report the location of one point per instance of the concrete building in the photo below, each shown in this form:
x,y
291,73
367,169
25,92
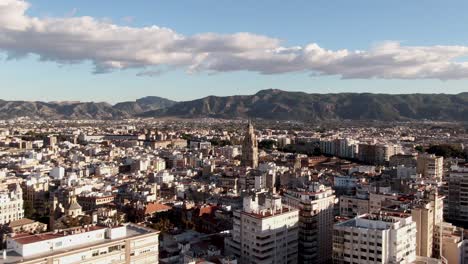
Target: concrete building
x,y
351,206
265,231
340,147
36,194
430,166
456,195
93,201
129,243
428,216
315,221
403,160
11,204
378,154
454,248
375,239
57,173
50,141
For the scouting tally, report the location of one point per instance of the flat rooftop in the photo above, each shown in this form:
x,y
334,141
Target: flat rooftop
x,y
132,230
370,222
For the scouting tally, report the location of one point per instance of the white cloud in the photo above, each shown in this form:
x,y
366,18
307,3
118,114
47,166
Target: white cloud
x,y
109,46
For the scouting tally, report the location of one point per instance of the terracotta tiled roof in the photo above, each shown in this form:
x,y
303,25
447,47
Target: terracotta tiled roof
x,y
156,207
21,222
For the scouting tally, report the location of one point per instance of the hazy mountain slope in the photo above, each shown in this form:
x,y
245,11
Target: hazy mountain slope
x,y
266,104
281,105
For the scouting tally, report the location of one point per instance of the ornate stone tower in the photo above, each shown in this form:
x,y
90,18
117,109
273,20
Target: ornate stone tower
x,y
250,148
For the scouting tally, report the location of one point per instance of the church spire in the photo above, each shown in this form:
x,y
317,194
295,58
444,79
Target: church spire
x,y
250,147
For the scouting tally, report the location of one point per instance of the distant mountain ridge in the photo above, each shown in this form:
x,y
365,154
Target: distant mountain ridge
x,y
81,110
282,105
271,104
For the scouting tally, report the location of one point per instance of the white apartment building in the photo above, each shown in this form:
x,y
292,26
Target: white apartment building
x,y
159,164
345,182
430,166
164,177
11,204
375,239
128,243
341,147
315,221
264,232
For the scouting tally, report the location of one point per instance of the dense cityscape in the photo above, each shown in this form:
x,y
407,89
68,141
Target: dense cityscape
x,y
233,132
232,191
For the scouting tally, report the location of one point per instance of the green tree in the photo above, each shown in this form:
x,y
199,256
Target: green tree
x,y
267,144
29,210
446,151
317,152
419,149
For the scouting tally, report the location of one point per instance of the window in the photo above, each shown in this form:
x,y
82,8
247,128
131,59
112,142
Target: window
x,y
113,248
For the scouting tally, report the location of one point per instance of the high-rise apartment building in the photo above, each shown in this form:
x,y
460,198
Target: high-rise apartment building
x,y
430,166
341,147
456,195
250,148
375,239
315,206
265,231
378,154
428,216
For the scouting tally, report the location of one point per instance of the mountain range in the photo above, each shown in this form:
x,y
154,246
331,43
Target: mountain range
x,y
271,104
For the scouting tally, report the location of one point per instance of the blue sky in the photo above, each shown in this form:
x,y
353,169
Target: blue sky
x,y
332,25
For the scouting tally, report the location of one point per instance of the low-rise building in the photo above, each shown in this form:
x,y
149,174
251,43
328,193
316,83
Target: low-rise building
x,y
128,243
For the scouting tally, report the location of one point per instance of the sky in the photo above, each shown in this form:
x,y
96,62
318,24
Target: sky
x,y
113,51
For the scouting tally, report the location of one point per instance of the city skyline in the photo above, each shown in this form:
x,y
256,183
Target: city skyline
x,y
233,132
92,53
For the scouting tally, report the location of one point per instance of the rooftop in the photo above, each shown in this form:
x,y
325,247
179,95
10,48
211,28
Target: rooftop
x,y
131,230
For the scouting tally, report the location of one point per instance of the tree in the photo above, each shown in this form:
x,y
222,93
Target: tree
x,y
162,225
419,149
317,152
267,144
446,151
29,210
220,142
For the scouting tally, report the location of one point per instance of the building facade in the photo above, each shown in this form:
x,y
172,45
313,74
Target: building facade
x,y
316,207
264,232
90,245
430,166
11,204
375,239
456,195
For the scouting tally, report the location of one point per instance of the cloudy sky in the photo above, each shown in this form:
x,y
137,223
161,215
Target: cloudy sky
x,y
111,50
